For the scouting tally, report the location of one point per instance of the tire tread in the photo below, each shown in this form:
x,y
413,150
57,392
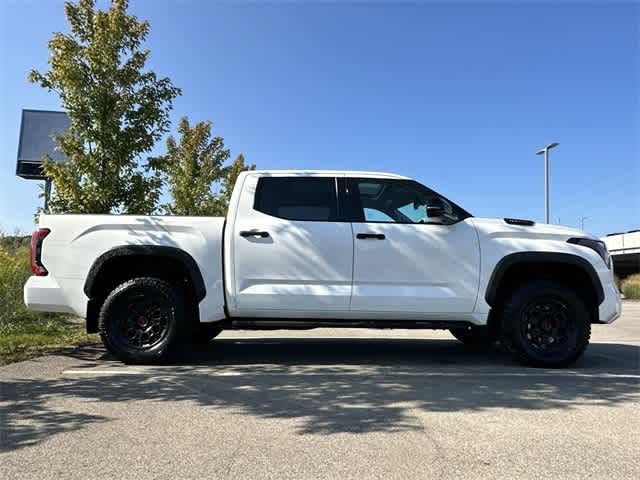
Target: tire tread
x,y
510,311
142,357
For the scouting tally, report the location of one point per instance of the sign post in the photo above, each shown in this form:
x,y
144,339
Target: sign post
x,y
47,193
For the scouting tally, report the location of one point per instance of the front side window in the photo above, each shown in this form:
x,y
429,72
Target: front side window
x,y
373,215
401,201
297,198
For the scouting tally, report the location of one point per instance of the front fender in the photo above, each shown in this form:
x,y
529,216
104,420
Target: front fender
x,y
541,257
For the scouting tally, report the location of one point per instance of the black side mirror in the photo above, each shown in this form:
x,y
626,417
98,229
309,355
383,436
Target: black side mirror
x,y
435,211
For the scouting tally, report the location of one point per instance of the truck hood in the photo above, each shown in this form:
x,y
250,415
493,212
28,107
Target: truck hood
x,y
500,227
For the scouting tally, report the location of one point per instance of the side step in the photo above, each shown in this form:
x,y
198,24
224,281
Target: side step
x,y
304,324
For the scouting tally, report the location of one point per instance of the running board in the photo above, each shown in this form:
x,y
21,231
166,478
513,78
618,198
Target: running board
x,y
303,324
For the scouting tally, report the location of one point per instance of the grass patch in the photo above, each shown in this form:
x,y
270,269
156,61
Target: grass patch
x,y
631,286
25,333
21,340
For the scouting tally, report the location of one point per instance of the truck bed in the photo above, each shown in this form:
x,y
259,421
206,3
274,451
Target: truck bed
x,y
76,241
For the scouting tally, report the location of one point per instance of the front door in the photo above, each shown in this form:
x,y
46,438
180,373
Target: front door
x,y
291,257
413,251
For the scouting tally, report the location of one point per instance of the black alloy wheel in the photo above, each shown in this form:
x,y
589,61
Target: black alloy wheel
x,y
139,320
546,324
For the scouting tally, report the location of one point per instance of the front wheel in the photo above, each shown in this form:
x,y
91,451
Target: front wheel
x,y
546,324
139,320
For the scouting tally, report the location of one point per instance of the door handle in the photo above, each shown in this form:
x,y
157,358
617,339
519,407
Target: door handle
x,y
364,236
253,233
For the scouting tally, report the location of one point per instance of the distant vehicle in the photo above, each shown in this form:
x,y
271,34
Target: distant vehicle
x,y
307,249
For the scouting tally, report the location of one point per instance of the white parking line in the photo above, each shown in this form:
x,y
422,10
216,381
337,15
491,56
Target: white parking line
x,y
157,372
106,372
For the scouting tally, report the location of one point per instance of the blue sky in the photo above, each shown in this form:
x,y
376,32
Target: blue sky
x,y
458,95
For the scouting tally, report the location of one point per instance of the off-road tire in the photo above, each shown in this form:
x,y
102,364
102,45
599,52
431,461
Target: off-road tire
x,y
140,320
545,324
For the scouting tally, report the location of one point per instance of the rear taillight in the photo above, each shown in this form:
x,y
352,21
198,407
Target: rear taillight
x,y
36,252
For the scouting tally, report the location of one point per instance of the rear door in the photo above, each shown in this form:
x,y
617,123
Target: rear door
x,y
291,256
406,263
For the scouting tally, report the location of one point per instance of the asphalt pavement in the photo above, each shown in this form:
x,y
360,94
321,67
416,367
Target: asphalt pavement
x,y
326,403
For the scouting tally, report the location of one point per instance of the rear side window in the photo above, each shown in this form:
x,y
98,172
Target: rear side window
x,y
297,198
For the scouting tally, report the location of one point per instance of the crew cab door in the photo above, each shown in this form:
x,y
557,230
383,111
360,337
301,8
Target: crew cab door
x,y
406,262
291,257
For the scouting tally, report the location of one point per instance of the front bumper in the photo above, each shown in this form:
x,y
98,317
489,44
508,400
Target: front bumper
x,y
611,307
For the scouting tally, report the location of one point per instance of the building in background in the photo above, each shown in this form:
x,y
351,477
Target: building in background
x,y
625,252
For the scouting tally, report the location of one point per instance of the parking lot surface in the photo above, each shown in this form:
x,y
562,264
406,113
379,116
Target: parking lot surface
x,y
326,403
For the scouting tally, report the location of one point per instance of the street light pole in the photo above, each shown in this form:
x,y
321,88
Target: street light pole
x,y
546,185
545,151
582,219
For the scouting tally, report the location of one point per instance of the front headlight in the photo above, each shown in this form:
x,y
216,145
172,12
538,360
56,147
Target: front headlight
x,y
596,245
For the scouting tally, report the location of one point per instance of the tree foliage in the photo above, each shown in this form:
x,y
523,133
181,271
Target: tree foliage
x,y
118,110
229,177
194,171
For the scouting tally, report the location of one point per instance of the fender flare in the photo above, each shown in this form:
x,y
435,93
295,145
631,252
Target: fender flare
x,y
541,257
148,251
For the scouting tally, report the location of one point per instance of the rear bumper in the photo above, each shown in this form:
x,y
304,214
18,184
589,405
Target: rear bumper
x,y
46,294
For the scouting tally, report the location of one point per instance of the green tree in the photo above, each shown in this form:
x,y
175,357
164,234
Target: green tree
x,y
229,177
194,171
118,110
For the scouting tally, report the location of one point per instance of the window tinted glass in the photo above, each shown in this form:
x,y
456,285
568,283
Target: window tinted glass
x,y
401,201
297,198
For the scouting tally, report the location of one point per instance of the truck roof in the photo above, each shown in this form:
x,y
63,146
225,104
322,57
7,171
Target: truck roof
x,y
325,173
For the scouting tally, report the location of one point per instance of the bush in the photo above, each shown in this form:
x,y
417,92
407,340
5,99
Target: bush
x,y
14,271
618,282
24,333
631,286
12,242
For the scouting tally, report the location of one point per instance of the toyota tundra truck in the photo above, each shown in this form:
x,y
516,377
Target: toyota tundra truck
x,y
308,249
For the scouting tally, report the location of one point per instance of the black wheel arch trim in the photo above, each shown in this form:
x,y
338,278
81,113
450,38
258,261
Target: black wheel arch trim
x,y
541,257
195,275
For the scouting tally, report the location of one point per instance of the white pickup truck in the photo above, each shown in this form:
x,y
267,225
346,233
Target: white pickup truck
x,y
307,249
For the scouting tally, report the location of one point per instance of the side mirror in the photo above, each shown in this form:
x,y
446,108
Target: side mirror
x,y
435,211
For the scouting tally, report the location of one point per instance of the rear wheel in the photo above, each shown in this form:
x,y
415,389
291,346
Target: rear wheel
x,y
546,324
139,320
473,336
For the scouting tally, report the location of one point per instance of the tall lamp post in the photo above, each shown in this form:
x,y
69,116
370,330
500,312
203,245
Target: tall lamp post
x,y
545,151
582,219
